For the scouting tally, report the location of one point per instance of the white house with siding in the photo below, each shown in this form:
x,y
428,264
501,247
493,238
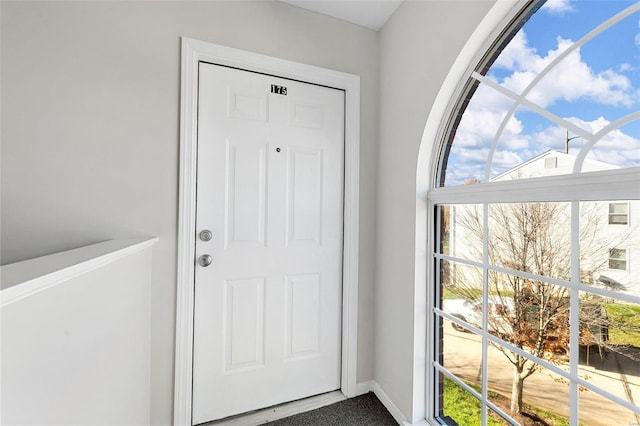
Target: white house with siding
x,y
614,264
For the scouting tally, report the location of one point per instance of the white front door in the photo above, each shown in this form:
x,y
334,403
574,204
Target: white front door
x,y
267,326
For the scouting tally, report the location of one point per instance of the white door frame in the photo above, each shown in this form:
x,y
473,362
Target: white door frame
x,y
193,52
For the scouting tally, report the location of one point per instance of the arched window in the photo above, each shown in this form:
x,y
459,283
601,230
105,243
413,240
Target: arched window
x,y
536,201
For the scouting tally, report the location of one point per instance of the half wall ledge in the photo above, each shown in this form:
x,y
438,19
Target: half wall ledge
x,y
22,279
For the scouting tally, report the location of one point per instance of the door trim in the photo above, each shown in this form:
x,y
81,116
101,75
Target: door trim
x,y
193,52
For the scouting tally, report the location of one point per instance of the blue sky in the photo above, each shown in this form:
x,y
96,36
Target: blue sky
x,y
596,84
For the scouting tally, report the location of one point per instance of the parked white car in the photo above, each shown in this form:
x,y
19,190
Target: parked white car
x,y
465,310
500,309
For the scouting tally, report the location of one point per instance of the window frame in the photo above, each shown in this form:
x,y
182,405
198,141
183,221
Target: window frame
x,y
610,185
613,214
624,257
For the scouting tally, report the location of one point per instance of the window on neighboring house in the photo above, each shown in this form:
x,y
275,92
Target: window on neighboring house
x,y
618,213
618,259
544,135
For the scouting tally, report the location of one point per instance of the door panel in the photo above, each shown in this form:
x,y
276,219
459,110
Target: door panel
x,y
304,196
244,324
267,325
303,316
246,190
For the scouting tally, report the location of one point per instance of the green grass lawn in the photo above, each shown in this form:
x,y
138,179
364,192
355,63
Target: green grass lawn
x,y
465,409
625,324
467,293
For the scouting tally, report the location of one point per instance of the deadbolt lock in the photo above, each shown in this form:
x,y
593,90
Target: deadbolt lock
x,y
206,235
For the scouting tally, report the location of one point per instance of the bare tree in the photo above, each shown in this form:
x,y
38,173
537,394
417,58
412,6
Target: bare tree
x,y
530,314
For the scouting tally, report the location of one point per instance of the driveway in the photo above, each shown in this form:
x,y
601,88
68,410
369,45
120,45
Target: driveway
x,y
616,373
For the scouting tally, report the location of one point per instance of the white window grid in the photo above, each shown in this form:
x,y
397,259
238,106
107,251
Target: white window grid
x,y
575,287
621,184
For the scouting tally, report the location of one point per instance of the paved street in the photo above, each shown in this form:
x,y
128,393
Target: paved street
x,y
616,373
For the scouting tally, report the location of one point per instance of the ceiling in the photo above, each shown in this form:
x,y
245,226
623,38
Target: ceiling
x,y
370,14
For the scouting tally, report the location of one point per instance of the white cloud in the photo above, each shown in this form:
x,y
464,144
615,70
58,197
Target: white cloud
x,y
474,163
593,126
626,67
550,138
616,147
516,54
572,80
507,159
622,158
557,6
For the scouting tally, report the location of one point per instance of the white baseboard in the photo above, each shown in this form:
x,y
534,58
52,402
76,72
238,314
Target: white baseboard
x,y
364,387
389,405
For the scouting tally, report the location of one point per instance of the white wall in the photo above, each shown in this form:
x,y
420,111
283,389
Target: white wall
x,y
75,340
418,46
90,119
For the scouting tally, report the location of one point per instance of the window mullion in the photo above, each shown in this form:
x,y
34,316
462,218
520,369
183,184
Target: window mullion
x,y
485,305
574,314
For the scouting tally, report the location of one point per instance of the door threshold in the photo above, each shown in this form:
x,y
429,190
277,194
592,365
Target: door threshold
x,y
280,411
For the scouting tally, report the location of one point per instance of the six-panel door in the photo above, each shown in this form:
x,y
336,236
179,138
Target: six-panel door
x,y
267,326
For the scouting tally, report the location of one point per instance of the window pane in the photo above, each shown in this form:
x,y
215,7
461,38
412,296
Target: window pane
x,y
592,87
618,213
469,147
493,418
466,231
546,34
462,354
539,148
454,396
592,406
459,405
585,89
618,148
461,283
619,208
464,408
531,237
443,218
606,249
532,315
461,293
545,395
609,356
618,259
618,219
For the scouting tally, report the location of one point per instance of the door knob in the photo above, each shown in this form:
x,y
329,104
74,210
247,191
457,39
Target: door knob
x,y
205,260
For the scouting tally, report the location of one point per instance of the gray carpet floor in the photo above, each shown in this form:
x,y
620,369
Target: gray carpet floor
x,y
364,410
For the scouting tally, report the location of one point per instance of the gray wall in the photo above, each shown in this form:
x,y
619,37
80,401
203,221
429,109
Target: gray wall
x,y
418,46
90,120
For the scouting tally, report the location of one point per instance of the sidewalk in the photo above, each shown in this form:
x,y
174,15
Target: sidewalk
x,y
616,373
